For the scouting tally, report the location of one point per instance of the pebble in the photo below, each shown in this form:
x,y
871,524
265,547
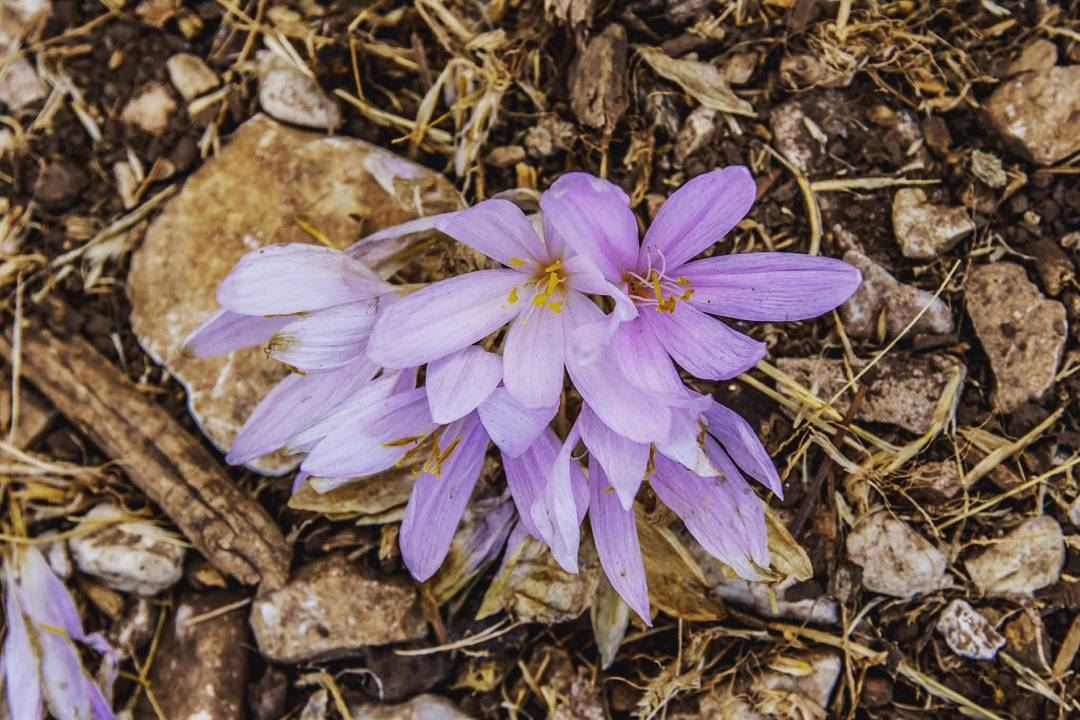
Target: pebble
x,y
333,608
1056,269
903,389
343,186
291,96
1025,560
696,132
895,559
968,633
935,482
881,291
1036,111
190,75
131,556
536,589
821,610
1022,332
548,136
505,156
1074,513
812,676
925,231
150,109
201,669
422,707
19,82
20,85
60,184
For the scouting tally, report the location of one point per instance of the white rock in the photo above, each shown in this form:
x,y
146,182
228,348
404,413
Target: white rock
x,y
128,556
895,559
822,610
422,707
20,85
126,184
901,303
150,109
58,557
968,633
923,230
1028,558
812,676
1074,512
291,96
190,75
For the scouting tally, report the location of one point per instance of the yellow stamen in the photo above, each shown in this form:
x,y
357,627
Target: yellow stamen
x,y
401,442
513,296
540,300
556,306
682,281
553,267
516,262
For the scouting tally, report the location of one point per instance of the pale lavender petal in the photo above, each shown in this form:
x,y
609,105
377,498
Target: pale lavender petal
x,y
555,511
526,475
615,534
743,446
498,229
625,462
770,286
20,662
325,339
447,316
356,408
697,215
533,357
298,481
749,508
642,357
438,498
293,278
374,443
293,403
591,339
582,275
44,597
459,382
225,331
686,443
704,346
512,426
593,217
69,691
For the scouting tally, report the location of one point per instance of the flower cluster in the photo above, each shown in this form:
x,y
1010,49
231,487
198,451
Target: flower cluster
x,y
576,294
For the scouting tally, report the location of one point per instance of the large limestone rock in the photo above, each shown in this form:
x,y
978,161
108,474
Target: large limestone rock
x,y
250,195
901,303
895,559
924,230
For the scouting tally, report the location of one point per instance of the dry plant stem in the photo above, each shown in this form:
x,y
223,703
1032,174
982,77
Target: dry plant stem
x,y
187,482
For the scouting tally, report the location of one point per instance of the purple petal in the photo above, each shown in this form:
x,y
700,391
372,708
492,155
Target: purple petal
x,y
527,475
438,498
447,316
615,534
770,286
555,511
225,331
593,217
533,357
697,215
625,462
373,443
512,426
24,698
325,339
743,446
293,278
459,382
591,339
355,408
642,357
498,229
686,442
583,275
293,403
44,597
705,347
70,692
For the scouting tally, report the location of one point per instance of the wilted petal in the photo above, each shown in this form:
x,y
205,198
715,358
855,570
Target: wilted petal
x,y
686,442
296,401
69,691
743,446
359,405
225,331
297,277
438,498
593,217
21,681
526,474
624,461
770,286
512,426
705,347
447,316
697,215
615,534
498,229
459,382
533,357
325,339
555,513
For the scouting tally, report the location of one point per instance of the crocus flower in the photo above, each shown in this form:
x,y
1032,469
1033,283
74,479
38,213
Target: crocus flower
x,y
41,662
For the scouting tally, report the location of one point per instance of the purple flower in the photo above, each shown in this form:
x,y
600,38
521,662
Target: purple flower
x,y
41,661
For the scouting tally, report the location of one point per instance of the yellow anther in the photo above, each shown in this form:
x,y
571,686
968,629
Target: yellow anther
x,y
682,281
552,283
540,300
556,306
516,261
553,267
401,442
513,296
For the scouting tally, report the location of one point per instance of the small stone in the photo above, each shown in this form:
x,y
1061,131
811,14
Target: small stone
x,y
740,66
268,696
1055,267
1022,332
812,676
696,132
422,707
1025,560
877,691
936,133
1074,513
316,706
1037,110
901,303
190,75
904,389
150,109
923,230
968,633
821,610
136,628
895,559
333,608
1026,638
803,71
291,96
506,156
598,94
988,168
128,556
126,184
343,186
20,85
548,136
60,184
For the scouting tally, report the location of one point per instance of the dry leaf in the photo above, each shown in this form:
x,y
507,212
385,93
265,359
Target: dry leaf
x,y
701,80
610,616
676,582
379,498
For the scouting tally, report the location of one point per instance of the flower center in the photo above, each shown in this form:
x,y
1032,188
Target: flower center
x,y
548,281
657,290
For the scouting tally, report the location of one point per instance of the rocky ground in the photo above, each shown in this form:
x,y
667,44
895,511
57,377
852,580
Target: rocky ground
x,y
926,432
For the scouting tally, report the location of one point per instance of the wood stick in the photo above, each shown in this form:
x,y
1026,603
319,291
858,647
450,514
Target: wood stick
x,y
174,469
